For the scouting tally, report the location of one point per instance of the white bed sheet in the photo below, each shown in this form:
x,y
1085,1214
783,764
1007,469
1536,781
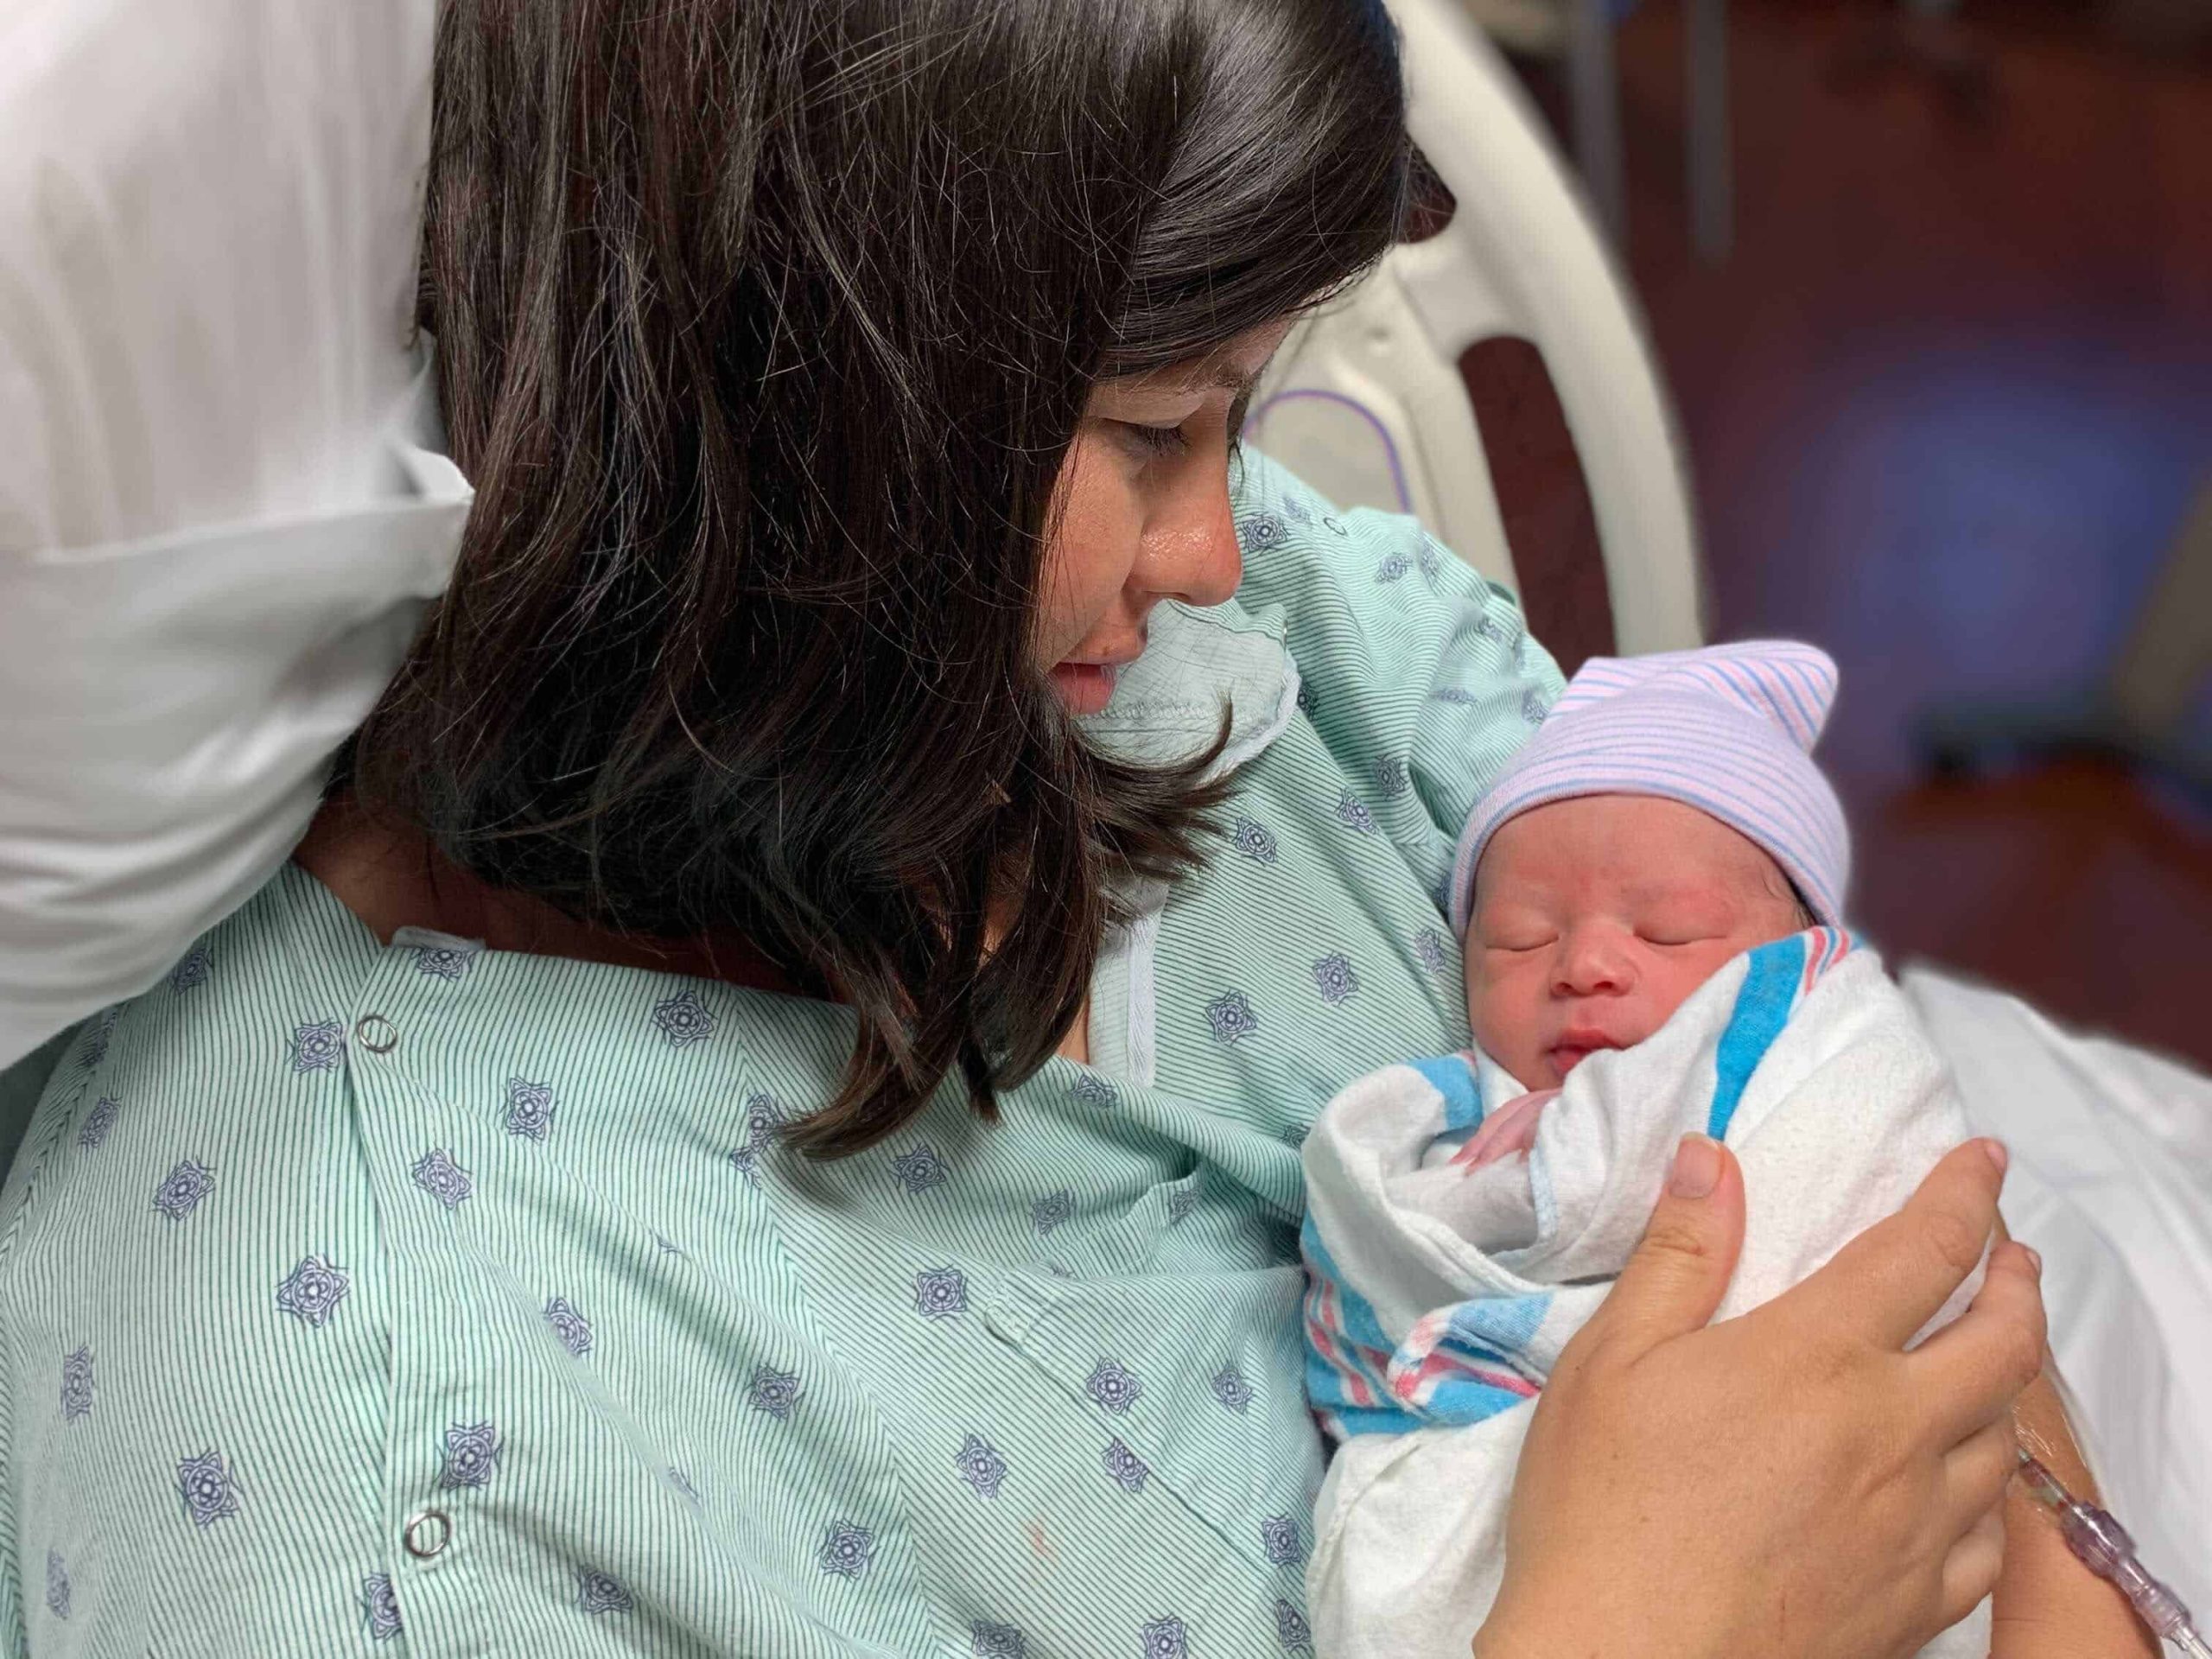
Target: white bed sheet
x,y
2112,1181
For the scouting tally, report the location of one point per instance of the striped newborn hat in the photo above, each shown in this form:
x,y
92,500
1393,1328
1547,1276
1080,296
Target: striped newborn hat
x,y
1728,729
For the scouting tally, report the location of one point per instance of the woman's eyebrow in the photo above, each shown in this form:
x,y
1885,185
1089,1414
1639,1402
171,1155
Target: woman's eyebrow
x,y
1219,374
1239,386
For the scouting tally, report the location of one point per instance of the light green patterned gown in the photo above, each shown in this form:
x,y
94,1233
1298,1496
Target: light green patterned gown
x,y
426,1300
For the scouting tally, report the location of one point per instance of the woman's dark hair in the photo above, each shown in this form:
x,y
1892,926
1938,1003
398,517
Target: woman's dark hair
x,y
763,327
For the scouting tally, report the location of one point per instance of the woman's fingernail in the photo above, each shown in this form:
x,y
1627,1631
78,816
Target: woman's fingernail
x,y
1697,1167
2035,1259
1998,1155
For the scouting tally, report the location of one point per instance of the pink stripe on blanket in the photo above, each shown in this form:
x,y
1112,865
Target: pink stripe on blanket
x,y
1423,1362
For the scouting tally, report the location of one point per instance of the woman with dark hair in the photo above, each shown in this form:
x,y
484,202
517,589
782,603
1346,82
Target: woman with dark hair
x,y
764,1117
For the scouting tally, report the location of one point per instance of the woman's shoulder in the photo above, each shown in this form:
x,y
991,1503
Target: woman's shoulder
x,y
1294,538
1417,672
293,1005
180,1048
1386,625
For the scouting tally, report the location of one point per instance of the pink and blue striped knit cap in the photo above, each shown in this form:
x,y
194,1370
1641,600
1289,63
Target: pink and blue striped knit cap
x,y
1728,729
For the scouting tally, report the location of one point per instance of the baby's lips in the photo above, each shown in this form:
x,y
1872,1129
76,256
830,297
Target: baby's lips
x,y
1577,1046
1564,1060
1588,1039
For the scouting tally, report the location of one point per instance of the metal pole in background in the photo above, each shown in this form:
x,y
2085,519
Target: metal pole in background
x,y
1711,172
1594,93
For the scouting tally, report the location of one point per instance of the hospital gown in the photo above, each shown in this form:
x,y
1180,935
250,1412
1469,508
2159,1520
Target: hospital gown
x,y
355,1293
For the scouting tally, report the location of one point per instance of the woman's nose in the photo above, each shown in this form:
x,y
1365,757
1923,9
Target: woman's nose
x,y
1190,550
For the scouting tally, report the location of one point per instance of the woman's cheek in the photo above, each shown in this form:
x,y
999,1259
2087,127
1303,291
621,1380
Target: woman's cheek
x,y
1074,597
1100,523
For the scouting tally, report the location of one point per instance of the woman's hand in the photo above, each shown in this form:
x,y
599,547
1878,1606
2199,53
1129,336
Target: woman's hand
x,y
1790,1484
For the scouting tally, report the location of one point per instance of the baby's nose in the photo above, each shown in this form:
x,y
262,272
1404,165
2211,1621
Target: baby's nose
x,y
1591,965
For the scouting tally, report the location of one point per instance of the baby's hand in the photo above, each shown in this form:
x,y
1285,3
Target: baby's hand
x,y
1510,1128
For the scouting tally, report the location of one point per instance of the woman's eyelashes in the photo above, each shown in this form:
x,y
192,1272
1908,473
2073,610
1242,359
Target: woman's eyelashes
x,y
1149,441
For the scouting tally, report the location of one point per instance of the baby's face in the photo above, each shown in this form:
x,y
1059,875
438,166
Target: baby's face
x,y
1595,917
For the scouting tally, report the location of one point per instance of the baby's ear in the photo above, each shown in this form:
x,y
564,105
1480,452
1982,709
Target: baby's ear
x,y
1775,874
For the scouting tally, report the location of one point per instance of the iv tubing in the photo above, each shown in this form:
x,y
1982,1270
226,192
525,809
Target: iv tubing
x,y
2102,1545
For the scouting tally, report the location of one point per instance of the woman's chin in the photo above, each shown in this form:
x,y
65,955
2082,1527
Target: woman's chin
x,y
1085,688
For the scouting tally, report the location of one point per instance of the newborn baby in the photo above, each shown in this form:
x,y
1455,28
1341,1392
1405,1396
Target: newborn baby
x,y
1650,903
1594,919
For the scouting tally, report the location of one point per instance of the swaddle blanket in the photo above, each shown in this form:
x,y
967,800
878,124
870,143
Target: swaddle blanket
x,y
1439,1296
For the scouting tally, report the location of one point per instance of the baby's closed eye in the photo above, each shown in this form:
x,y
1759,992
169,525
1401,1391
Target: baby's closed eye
x,y
1678,936
1515,939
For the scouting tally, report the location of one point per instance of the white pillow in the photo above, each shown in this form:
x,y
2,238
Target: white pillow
x,y
221,509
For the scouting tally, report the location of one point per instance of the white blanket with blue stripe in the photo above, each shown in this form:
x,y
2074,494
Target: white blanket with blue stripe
x,y
1439,1298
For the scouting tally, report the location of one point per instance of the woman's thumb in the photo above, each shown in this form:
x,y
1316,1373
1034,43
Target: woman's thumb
x,y
1675,1278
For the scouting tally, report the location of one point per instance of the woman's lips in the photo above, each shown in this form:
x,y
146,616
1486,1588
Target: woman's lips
x,y
1086,684
1085,688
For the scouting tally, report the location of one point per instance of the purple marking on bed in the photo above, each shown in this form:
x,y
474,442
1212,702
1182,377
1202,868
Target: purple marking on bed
x,y
1389,449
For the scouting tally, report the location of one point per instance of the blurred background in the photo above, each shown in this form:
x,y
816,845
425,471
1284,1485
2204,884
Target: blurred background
x,y
1932,290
